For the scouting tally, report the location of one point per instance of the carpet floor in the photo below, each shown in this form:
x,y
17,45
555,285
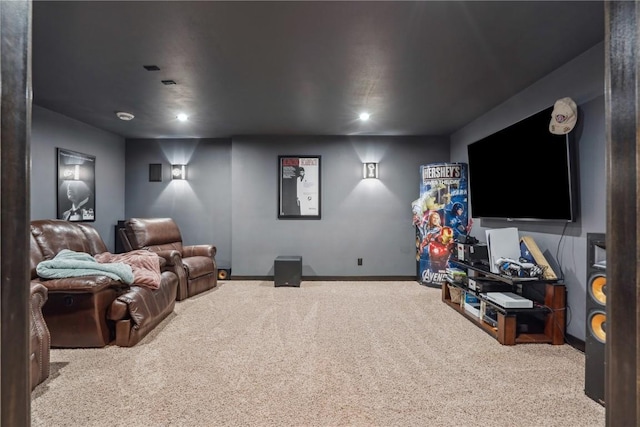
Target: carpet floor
x,y
324,354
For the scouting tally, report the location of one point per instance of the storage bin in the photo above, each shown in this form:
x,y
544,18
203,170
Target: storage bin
x,y
455,293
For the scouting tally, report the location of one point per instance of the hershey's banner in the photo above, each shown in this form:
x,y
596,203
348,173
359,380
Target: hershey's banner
x,y
440,217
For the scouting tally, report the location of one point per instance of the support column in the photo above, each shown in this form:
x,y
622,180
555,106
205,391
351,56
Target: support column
x,y
15,129
623,281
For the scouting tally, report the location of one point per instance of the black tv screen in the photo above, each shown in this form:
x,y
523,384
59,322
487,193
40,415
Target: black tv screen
x,y
523,172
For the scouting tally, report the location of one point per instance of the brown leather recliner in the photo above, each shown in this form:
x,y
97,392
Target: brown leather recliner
x,y
197,269
40,342
92,311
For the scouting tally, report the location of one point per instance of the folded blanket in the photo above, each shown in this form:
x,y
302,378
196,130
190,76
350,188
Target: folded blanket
x,y
144,264
68,263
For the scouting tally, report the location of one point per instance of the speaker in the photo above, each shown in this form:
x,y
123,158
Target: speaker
x,y
224,273
155,172
120,247
287,271
596,311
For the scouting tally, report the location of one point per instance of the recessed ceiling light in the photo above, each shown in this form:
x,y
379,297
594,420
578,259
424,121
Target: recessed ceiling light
x,y
182,117
124,116
151,67
364,116
169,82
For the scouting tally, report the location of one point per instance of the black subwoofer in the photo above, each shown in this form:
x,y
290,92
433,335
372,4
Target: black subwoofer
x,y
287,271
596,310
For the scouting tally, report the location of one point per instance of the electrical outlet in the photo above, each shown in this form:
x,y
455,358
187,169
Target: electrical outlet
x,y
359,261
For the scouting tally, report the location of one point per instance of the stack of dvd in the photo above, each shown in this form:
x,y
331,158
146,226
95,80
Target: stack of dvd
x,y
456,275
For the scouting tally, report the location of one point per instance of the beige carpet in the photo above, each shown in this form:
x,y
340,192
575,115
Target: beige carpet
x,y
324,354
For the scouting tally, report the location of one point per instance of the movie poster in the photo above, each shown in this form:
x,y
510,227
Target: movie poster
x,y
440,217
299,187
76,186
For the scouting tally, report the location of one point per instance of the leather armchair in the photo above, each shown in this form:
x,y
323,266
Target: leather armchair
x,y
195,266
40,343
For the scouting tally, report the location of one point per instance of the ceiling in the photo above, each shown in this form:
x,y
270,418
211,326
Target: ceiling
x,y
298,67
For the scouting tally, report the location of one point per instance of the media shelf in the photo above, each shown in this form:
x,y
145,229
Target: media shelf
x,y
542,323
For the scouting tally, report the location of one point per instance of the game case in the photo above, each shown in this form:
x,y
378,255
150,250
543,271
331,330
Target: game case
x,y
440,217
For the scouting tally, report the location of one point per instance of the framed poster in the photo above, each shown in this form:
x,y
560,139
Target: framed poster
x,y
76,186
299,187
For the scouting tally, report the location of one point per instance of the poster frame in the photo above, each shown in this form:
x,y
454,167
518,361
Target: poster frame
x,y
78,170
299,197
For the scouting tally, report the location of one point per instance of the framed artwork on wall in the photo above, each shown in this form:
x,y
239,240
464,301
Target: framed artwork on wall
x,y
299,181
76,186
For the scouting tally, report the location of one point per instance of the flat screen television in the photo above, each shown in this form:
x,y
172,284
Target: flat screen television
x,y
523,173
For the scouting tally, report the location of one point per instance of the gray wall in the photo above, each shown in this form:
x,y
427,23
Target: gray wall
x,y
366,219
565,247
232,190
50,130
201,205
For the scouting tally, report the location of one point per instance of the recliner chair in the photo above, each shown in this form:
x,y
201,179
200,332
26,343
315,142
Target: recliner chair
x,y
92,311
198,272
40,343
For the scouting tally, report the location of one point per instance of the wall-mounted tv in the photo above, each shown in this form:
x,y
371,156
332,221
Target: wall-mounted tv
x,y
523,172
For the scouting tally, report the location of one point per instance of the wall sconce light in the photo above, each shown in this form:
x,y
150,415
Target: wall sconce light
x,y
178,171
370,170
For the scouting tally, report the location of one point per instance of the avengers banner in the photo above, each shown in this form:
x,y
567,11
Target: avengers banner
x,y
440,218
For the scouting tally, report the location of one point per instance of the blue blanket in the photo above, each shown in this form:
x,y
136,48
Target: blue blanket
x,y
68,263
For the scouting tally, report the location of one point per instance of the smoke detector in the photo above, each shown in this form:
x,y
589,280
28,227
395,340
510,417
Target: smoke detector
x,y
124,116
